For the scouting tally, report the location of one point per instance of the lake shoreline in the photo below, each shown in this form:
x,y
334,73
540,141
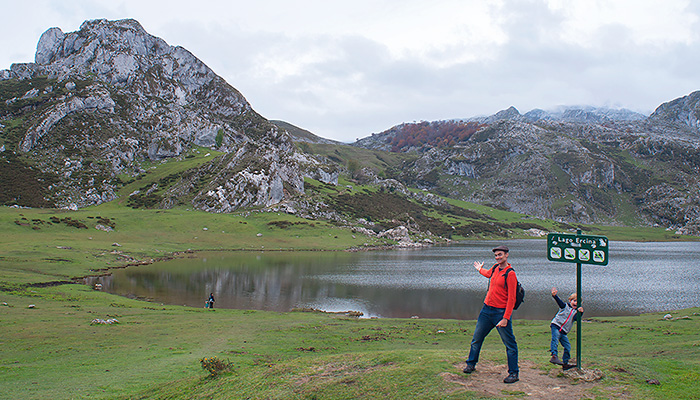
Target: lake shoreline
x,y
428,280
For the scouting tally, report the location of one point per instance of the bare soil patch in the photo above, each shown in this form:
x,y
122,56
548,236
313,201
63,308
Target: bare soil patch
x,y
534,382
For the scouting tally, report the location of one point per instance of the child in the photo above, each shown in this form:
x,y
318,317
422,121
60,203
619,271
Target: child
x,y
561,325
210,302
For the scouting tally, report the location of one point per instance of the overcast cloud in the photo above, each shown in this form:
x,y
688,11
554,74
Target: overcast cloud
x,y
344,70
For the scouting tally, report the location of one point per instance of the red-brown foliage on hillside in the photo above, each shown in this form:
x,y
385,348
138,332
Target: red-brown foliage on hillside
x,y
431,134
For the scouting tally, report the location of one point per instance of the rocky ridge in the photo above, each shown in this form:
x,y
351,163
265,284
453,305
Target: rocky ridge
x,y
577,167
101,103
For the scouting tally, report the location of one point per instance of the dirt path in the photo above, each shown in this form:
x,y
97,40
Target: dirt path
x,y
534,383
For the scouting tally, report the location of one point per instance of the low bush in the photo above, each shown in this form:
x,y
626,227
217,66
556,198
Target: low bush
x,y
215,366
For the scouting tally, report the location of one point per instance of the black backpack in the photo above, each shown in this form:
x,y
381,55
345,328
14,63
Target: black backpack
x,y
519,291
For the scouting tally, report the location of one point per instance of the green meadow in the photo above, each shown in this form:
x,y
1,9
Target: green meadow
x,y
51,348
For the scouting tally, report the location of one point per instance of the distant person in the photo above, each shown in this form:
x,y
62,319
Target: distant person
x,y
496,312
210,302
561,326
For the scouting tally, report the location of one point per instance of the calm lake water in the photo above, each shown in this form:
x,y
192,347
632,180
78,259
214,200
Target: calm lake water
x,y
435,282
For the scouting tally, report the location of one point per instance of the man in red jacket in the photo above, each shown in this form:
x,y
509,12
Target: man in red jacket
x,y
496,312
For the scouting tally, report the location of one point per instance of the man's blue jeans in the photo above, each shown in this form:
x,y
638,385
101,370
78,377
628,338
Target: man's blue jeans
x,y
488,318
563,338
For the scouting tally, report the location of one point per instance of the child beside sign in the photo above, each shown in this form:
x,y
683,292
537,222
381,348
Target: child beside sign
x,y
561,325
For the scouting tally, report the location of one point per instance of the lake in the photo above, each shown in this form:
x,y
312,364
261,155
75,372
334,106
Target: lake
x,y
434,282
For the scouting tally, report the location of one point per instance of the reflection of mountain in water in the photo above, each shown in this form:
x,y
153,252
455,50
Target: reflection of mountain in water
x,y
430,283
284,287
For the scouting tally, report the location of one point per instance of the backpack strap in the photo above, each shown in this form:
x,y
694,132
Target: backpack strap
x,y
492,271
505,281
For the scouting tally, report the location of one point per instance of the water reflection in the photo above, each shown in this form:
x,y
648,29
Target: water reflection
x,y
437,282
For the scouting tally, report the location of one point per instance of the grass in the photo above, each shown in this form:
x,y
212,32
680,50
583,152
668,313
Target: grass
x,y
164,173
52,350
58,252
384,164
154,352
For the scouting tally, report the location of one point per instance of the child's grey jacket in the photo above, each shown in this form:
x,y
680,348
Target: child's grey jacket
x,y
565,317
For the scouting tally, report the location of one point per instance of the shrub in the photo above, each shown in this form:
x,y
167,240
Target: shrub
x,y
215,366
219,138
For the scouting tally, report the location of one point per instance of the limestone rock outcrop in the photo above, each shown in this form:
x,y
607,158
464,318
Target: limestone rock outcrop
x,y
110,98
578,166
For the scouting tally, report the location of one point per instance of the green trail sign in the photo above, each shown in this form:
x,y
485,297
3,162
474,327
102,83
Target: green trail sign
x,y
580,249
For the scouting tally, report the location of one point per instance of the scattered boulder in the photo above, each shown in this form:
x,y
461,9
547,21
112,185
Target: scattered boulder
x,y
398,233
99,321
535,232
103,228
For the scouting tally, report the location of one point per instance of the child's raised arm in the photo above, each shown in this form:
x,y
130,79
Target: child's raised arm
x,y
556,298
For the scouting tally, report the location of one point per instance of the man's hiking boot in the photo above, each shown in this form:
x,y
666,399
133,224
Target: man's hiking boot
x,y
568,366
469,369
511,378
555,360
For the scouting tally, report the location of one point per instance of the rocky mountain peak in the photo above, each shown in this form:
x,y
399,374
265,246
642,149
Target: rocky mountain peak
x,y
683,110
112,96
118,52
126,36
509,113
161,82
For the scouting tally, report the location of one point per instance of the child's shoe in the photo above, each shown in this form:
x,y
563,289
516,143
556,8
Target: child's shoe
x,y
567,366
555,360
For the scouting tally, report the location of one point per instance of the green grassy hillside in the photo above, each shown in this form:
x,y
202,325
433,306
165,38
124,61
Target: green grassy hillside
x,y
53,350
50,347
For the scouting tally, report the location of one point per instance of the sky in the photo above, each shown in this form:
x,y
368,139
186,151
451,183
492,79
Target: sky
x,y
346,69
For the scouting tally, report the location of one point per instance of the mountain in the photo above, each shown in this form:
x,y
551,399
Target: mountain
x,y
99,107
584,114
110,113
684,112
578,165
300,134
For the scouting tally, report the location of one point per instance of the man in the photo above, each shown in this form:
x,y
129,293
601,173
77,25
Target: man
x,y
496,312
